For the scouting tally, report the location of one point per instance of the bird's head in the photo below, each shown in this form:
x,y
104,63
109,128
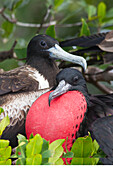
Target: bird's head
x,y
46,47
67,80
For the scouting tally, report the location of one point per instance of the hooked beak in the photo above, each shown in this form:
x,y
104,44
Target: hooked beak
x,y
59,53
62,88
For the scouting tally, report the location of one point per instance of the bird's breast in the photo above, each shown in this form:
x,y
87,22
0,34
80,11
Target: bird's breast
x,y
42,81
61,120
17,105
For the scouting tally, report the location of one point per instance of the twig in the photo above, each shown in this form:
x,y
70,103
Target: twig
x,y
8,54
94,75
6,17
102,87
100,75
45,18
32,25
21,24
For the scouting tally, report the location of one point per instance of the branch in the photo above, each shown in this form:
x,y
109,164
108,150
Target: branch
x,y
21,24
103,88
45,18
94,75
8,54
6,17
32,25
99,75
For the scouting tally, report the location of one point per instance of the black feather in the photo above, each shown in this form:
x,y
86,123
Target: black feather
x,y
84,41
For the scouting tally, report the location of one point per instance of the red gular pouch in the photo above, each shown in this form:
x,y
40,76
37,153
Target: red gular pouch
x,y
60,120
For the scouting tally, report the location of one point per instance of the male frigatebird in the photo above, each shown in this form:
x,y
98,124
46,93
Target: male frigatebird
x,y
72,112
20,87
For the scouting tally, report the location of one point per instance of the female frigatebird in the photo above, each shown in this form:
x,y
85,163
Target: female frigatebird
x,y
20,87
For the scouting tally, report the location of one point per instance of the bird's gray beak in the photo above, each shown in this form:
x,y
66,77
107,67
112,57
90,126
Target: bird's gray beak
x,y
62,88
58,53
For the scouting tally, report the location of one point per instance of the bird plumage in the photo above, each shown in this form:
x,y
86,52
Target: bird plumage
x,y
20,87
93,45
98,118
84,41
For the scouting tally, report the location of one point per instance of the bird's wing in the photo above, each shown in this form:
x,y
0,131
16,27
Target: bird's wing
x,y
107,43
102,131
17,107
99,106
99,121
84,41
17,127
17,80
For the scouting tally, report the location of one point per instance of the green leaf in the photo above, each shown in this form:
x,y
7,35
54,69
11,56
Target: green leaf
x,y
85,29
59,162
4,143
21,150
91,11
14,4
57,3
46,154
21,161
109,13
56,155
84,161
34,146
51,31
31,136
8,28
17,3
8,4
54,145
8,64
5,153
24,3
22,138
1,110
56,149
99,154
45,145
21,53
84,149
6,162
35,160
4,123
101,11
95,147
68,155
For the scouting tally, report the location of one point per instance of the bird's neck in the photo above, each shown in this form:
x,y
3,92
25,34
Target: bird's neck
x,y
83,89
46,67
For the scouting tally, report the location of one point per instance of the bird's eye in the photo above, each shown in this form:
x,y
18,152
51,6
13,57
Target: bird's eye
x,y
43,43
75,78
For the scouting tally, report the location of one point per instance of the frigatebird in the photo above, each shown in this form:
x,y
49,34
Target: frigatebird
x,y
20,87
98,118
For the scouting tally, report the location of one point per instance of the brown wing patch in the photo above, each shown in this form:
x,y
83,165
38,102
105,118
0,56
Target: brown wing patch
x,y
107,44
17,80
